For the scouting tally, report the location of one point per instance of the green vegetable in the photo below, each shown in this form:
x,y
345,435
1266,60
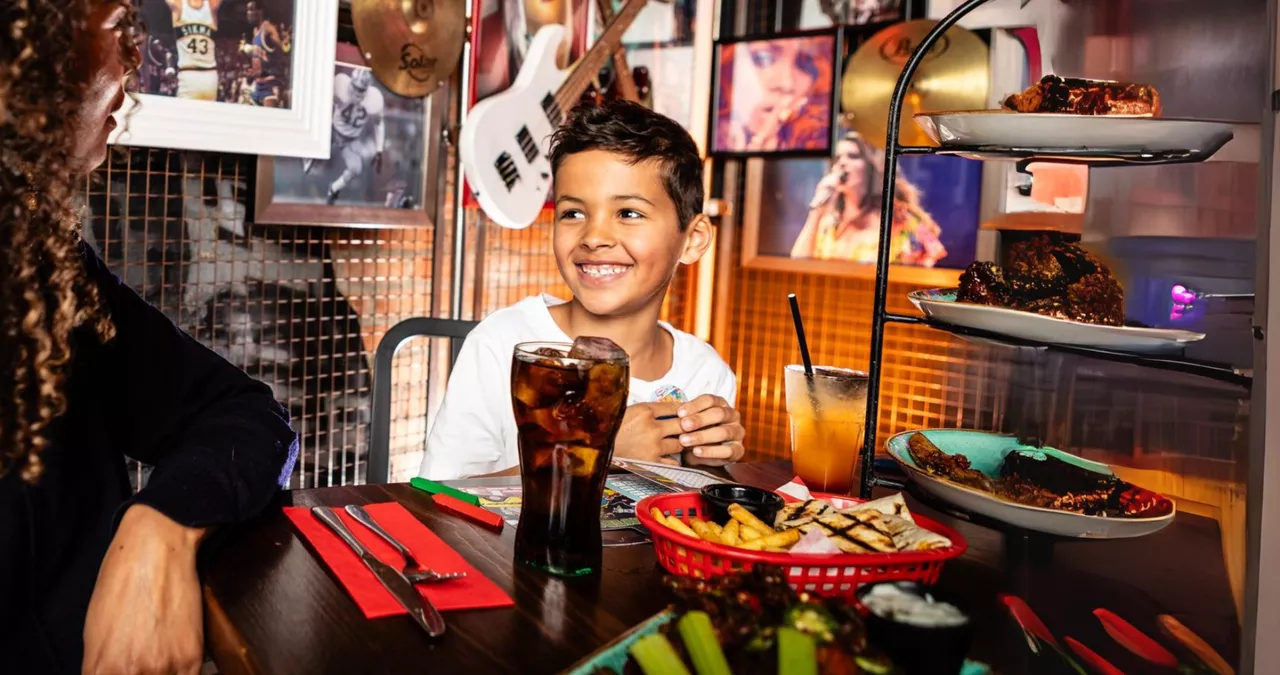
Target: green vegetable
x,y
873,666
761,640
813,619
702,644
797,653
656,656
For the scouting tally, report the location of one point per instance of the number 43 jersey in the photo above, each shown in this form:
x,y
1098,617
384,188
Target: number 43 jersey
x,y
355,106
196,29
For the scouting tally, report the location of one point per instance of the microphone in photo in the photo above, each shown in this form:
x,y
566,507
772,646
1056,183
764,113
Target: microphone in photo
x,y
829,191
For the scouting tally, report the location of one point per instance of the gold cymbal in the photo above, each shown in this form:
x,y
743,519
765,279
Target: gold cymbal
x,y
955,75
412,45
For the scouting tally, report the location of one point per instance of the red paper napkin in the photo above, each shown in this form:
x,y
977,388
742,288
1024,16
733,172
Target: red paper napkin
x,y
475,591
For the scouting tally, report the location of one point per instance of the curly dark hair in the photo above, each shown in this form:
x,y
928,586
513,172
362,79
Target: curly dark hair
x,y
44,293
640,134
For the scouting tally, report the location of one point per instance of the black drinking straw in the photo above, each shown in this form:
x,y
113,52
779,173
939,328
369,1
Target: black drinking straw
x,y
804,344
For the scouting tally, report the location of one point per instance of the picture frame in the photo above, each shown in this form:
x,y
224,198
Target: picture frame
x,y
295,191
787,221
185,103
501,31
775,96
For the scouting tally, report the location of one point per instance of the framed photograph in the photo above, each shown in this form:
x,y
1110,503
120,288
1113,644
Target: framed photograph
x,y
503,30
240,76
774,96
660,23
823,215
863,12
382,163
669,72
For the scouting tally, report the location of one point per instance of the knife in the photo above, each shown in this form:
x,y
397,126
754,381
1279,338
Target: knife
x,y
419,607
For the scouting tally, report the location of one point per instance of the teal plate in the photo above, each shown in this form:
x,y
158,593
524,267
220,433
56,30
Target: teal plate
x,y
986,451
614,655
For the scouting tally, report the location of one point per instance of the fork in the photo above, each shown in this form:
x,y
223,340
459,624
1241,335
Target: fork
x,y
413,571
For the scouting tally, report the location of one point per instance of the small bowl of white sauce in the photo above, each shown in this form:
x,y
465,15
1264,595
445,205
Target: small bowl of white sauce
x,y
922,632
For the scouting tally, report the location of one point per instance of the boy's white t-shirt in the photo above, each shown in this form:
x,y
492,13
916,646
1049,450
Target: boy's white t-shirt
x,y
475,430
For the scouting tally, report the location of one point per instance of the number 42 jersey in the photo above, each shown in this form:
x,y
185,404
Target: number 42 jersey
x,y
354,107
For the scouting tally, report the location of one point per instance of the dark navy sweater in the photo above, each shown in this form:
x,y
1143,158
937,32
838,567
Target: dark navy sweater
x,y
220,444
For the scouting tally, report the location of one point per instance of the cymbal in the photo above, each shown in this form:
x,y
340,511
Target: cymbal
x,y
412,45
955,75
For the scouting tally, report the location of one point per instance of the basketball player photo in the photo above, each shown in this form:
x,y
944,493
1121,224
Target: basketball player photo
x,y
230,51
377,152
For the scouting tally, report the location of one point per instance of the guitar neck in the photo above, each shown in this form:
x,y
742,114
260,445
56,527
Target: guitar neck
x,y
610,40
621,71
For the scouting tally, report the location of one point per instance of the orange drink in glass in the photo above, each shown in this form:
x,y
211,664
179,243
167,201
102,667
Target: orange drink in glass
x,y
827,415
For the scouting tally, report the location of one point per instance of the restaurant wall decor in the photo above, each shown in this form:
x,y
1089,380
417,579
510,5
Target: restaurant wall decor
x,y
774,95
823,215
234,77
382,166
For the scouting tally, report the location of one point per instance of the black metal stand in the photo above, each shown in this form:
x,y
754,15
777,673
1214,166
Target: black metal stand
x,y
892,150
1096,157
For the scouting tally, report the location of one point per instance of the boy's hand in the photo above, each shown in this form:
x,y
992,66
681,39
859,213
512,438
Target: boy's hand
x,y
643,436
713,431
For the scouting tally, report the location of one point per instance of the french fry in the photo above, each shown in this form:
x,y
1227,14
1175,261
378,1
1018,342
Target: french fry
x,y
747,533
785,539
715,527
775,549
749,519
678,525
703,530
657,515
730,534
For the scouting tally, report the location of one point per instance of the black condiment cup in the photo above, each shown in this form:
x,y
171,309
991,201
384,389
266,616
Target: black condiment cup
x,y
916,649
763,504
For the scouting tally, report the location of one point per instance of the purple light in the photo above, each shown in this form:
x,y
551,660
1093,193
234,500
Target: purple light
x,y
1182,295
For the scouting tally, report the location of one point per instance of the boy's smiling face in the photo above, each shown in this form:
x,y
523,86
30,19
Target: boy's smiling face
x,y
617,236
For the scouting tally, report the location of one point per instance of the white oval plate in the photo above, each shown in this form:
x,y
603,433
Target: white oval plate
x,y
985,451
1055,131
940,304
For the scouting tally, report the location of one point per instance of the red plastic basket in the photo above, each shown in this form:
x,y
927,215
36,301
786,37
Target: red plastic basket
x,y
831,575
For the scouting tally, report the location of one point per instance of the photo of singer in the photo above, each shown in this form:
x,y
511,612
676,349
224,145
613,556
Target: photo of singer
x,y
830,209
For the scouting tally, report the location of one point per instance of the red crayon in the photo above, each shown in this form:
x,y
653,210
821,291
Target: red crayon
x,y
486,518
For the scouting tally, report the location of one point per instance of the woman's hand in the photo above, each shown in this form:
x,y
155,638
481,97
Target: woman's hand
x,y
767,124
648,433
713,431
145,614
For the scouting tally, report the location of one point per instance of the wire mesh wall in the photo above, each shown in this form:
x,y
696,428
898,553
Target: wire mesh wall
x,y
300,308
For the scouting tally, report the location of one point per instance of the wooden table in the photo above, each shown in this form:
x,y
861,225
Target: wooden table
x,y
272,607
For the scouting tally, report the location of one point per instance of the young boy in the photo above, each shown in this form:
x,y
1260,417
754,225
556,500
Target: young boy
x,y
628,211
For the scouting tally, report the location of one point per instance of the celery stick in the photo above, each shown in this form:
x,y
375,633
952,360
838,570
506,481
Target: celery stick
x,y
797,652
702,644
656,656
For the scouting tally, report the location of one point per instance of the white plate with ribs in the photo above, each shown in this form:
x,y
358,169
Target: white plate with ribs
x,y
1067,133
941,304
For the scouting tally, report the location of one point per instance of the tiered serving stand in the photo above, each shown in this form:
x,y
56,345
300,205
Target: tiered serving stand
x,y
1021,545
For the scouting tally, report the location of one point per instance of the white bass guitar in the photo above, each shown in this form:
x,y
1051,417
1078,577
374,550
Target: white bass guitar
x,y
504,141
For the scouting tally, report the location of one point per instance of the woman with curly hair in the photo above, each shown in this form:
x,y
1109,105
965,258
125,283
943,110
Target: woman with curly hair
x,y
93,578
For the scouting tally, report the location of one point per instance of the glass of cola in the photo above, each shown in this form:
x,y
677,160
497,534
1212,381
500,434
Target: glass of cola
x,y
568,401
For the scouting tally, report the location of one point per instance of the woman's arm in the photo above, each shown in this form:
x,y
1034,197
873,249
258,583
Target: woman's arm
x,y
221,445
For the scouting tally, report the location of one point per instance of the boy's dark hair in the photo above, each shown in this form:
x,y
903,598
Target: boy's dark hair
x,y
633,131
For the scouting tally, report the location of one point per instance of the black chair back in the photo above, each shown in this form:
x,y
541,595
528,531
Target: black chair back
x,y
378,467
